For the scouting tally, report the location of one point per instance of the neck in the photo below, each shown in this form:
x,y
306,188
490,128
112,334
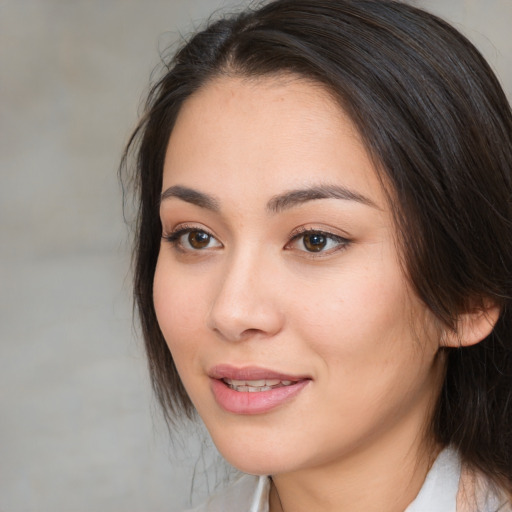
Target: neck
x,y
385,481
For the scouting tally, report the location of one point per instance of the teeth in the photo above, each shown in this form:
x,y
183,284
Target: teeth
x,y
255,386
234,382
252,389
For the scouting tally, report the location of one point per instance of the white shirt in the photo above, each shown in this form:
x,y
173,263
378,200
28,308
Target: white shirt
x,y
438,493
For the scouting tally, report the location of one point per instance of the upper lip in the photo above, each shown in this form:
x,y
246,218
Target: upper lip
x,y
226,371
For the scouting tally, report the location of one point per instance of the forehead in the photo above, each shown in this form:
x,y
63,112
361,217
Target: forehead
x,y
280,132
294,104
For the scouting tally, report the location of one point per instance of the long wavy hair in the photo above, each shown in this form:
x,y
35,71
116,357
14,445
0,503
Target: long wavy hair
x,y
439,128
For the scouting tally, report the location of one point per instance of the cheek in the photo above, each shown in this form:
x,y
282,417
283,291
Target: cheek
x,y
179,309
372,359
361,326
355,306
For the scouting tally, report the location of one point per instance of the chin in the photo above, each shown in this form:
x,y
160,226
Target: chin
x,y
258,465
254,458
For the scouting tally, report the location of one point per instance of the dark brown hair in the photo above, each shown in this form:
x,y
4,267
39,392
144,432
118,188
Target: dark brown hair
x,y
439,128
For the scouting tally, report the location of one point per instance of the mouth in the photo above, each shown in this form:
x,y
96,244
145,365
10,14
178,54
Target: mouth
x,y
253,390
256,386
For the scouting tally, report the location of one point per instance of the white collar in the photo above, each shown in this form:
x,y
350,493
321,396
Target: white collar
x,y
438,493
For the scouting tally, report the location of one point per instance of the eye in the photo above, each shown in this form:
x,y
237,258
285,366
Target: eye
x,y
192,239
317,242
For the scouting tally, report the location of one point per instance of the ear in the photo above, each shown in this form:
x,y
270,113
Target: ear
x,y
473,326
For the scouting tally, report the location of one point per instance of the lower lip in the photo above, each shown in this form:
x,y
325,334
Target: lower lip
x,y
243,402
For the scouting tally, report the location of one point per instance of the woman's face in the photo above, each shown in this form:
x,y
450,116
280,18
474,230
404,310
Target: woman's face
x,y
279,288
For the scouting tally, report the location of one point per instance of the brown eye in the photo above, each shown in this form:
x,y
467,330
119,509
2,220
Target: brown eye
x,y
318,242
314,242
198,239
192,239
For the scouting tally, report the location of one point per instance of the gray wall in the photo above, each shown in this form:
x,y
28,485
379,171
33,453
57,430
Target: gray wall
x,y
78,431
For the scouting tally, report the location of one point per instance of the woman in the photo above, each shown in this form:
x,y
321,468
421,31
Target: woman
x,y
324,257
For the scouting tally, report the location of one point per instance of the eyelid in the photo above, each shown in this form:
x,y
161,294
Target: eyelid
x,y
181,230
341,242
297,234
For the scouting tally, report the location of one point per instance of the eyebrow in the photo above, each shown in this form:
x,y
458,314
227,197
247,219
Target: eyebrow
x,y
294,198
276,204
191,196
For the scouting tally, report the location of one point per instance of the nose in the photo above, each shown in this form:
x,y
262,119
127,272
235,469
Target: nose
x,y
247,302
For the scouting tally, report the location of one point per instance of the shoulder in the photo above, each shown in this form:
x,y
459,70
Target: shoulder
x,y
478,494
247,493
451,486
491,499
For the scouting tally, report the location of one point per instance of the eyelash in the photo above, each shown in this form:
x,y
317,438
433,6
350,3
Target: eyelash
x,y
341,242
174,237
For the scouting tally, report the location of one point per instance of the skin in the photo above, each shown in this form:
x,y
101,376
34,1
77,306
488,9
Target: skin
x,y
346,316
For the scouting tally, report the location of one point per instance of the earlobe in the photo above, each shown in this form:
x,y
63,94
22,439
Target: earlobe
x,y
472,327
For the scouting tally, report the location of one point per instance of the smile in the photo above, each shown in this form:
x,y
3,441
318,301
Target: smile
x,y
256,386
253,390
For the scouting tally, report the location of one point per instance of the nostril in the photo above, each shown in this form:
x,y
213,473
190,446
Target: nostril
x,y
239,335
240,325
250,332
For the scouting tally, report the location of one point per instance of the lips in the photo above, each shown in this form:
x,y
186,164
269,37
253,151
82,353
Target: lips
x,y
255,386
253,390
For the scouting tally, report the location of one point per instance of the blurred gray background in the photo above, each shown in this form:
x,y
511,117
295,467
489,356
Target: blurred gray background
x,y
79,430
